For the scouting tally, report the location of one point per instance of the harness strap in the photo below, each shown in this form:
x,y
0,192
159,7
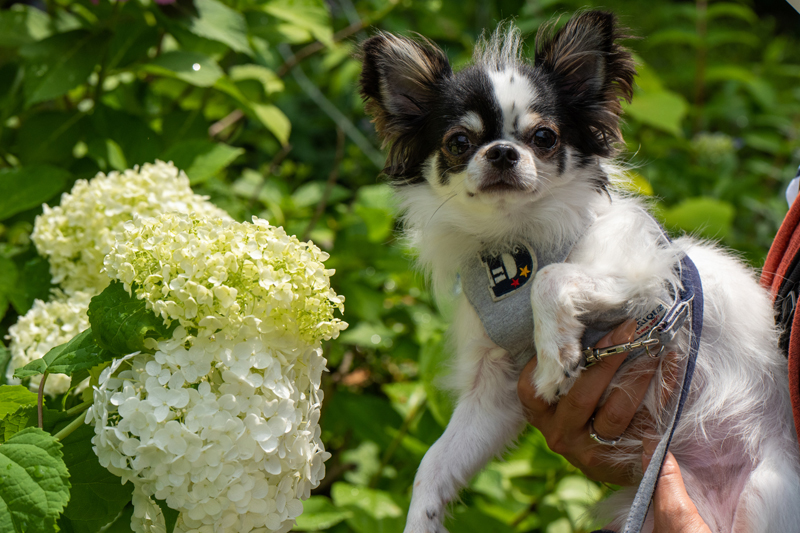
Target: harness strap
x,y
692,294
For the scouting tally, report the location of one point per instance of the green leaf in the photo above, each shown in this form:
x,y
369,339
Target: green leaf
x,y
17,421
192,67
123,523
33,282
374,511
25,187
55,65
268,79
274,120
34,482
319,513
80,353
310,15
729,9
97,495
138,142
664,110
49,137
201,159
8,283
170,515
121,322
704,216
15,397
218,22
5,359
474,521
21,25
433,359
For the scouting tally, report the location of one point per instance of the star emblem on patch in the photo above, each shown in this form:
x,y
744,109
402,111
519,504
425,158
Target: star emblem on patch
x,y
508,271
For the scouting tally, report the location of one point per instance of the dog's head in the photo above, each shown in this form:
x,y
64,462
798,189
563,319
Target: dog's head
x,y
502,132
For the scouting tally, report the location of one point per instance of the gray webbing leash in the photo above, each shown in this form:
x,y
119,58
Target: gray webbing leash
x,y
690,300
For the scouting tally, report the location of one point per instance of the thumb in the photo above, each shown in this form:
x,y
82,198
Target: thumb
x,y
673,510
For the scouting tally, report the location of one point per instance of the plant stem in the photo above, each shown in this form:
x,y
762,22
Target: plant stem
x,y
401,433
72,426
40,402
78,408
332,177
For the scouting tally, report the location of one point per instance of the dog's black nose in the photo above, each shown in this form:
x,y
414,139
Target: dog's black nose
x,y
502,156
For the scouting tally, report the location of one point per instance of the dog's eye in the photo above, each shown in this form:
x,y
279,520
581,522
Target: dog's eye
x,y
458,144
544,138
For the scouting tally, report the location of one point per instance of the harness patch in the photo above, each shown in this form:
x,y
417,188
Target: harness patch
x,y
509,271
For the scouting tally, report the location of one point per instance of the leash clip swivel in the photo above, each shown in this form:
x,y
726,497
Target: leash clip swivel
x,y
594,355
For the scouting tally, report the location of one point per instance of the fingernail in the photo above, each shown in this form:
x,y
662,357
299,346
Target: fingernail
x,y
624,333
648,447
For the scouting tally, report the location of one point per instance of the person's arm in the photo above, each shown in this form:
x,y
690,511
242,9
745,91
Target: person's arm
x,y
567,424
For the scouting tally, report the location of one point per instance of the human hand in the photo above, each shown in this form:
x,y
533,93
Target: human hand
x,y
673,511
566,424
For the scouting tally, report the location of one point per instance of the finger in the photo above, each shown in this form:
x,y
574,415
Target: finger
x,y
579,404
536,409
673,510
615,415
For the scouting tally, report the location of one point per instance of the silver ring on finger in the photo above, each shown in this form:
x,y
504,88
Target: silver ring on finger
x,y
597,438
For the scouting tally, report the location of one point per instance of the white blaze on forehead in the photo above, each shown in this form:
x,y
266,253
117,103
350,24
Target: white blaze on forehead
x,y
472,121
514,93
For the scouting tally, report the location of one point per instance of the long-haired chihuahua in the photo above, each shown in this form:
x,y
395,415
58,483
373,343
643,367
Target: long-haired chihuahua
x,y
504,173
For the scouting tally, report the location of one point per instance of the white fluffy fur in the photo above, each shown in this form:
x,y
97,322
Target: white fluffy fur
x,y
735,442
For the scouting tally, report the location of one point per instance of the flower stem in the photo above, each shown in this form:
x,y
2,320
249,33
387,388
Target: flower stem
x,y
40,402
78,408
72,426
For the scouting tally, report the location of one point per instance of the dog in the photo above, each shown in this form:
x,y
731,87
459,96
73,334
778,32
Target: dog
x,y
505,174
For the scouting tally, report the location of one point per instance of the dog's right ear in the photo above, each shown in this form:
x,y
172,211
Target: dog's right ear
x,y
400,81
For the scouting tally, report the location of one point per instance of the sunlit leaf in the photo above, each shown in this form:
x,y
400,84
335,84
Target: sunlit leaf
x,y
664,110
275,121
310,15
192,67
219,22
201,159
704,216
319,513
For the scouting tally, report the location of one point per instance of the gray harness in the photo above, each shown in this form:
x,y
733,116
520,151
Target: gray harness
x,y
498,285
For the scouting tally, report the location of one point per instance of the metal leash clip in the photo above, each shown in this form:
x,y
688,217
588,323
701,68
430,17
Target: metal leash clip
x,y
594,355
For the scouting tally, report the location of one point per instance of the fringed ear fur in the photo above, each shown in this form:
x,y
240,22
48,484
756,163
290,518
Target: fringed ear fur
x,y
592,71
400,81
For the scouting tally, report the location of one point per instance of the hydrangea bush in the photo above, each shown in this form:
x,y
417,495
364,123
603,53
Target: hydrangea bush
x,y
221,419
75,236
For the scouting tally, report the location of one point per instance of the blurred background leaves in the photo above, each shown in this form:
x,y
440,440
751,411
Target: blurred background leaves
x,y
257,100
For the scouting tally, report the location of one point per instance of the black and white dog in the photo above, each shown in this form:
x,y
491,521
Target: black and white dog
x,y
504,173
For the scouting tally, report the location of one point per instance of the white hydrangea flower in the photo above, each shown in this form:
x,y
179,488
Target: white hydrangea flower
x,y
221,420
76,235
45,326
218,276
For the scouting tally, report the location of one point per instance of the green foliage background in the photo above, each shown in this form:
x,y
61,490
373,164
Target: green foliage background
x,y
257,101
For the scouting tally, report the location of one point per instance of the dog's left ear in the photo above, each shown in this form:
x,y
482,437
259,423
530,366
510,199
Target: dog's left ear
x,y
591,70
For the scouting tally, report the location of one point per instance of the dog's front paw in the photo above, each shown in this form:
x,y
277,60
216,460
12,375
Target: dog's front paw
x,y
557,368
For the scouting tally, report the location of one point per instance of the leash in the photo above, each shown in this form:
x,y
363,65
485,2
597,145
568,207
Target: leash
x,y
688,303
